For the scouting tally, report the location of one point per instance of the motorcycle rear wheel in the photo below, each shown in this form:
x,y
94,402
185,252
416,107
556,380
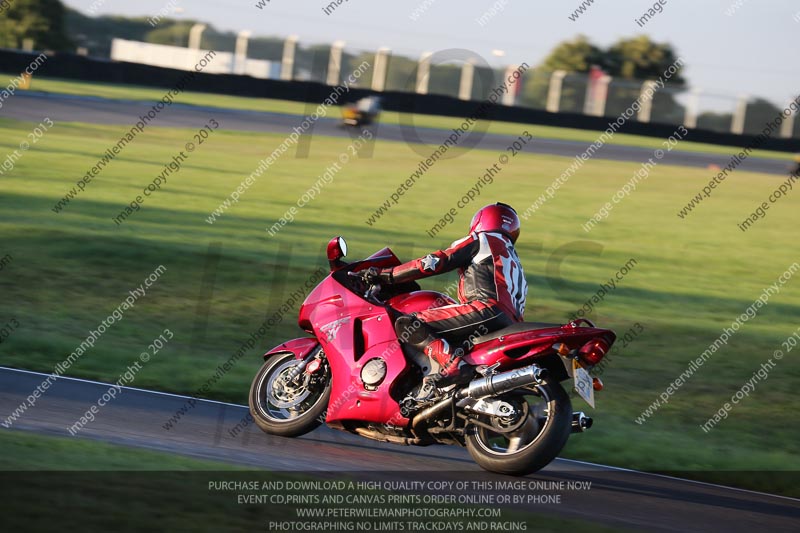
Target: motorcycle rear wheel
x,y
535,444
288,409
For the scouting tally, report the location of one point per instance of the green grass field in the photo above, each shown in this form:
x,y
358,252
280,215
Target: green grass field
x,y
693,277
27,452
128,92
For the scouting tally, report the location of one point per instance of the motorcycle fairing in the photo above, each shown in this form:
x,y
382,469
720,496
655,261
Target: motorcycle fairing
x,y
352,331
299,347
524,347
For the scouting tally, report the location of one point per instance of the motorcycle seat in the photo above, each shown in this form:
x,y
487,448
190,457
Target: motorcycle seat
x,y
514,328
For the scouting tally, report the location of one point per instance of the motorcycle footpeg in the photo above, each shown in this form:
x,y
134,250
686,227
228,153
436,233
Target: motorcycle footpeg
x,y
581,422
410,405
486,370
424,396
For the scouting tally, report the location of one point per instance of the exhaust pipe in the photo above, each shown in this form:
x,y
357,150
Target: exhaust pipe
x,y
427,414
503,382
581,422
483,388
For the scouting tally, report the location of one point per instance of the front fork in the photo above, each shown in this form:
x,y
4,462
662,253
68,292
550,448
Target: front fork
x,y
298,369
305,349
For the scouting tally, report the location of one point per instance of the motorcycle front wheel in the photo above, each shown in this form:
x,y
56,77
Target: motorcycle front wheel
x,y
534,443
289,408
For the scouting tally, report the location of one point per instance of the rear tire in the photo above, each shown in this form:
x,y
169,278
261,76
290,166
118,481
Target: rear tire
x,y
289,410
539,440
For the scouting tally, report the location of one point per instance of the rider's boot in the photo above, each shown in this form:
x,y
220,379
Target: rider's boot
x,y
453,369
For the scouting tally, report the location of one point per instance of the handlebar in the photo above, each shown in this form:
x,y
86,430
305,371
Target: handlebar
x,y
373,288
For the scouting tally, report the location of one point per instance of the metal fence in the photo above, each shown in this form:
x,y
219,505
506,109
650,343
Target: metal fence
x,y
465,75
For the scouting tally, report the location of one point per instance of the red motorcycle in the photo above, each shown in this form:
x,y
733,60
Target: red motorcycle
x,y
514,417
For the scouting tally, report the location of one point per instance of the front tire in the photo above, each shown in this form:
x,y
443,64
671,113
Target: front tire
x,y
289,409
535,444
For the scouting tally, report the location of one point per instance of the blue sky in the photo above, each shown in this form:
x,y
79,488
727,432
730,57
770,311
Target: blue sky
x,y
753,51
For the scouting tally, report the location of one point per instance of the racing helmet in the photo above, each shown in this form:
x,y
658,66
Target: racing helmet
x,y
497,217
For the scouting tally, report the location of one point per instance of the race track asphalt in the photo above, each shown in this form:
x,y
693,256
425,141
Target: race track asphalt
x,y
618,498
34,106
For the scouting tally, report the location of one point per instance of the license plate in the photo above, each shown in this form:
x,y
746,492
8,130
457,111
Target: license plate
x,y
583,382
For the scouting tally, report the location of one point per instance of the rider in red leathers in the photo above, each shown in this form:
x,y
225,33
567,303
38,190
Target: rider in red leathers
x,y
492,290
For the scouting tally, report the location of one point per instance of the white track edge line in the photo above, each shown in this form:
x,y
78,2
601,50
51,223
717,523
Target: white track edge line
x,y
93,382
622,469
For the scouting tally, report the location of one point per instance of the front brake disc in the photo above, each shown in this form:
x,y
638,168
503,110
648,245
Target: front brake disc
x,y
286,395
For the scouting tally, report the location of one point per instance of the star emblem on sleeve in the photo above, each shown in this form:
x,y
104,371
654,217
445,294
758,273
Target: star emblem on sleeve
x,y
429,262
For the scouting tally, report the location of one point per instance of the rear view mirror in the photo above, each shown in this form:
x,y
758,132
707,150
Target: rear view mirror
x,y
337,248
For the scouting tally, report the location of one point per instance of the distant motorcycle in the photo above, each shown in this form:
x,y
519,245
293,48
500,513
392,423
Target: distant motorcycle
x,y
363,113
514,416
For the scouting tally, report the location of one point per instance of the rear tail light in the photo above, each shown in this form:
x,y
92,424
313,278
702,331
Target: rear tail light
x,y
593,351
